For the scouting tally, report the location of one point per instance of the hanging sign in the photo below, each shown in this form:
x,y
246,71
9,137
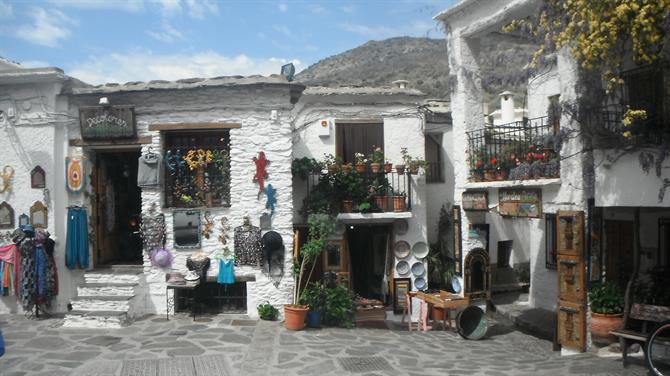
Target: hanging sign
x,y
475,200
520,203
107,122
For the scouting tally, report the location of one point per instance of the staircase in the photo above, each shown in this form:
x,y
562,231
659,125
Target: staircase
x,y
105,299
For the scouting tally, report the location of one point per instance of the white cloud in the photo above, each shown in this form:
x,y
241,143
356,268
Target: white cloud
x,y
48,27
167,34
132,6
169,7
199,9
317,9
282,29
348,8
282,7
6,10
143,65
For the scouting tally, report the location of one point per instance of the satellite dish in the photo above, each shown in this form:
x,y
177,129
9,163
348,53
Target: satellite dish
x,y
288,70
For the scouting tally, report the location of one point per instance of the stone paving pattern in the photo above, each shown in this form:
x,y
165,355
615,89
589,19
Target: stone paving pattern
x,y
235,345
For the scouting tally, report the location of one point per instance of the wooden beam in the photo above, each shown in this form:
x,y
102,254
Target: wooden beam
x,y
192,126
360,121
134,141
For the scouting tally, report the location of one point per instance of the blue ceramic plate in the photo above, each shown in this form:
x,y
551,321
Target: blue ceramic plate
x,y
455,285
418,269
401,249
420,283
420,250
402,267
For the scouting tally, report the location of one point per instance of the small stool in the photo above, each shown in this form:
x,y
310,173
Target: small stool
x,y
423,317
407,312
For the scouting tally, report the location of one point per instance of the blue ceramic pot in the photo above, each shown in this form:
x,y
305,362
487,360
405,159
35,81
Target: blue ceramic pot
x,y
314,319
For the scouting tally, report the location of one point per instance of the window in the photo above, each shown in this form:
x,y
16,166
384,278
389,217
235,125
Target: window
x,y
358,138
197,169
550,248
504,253
434,158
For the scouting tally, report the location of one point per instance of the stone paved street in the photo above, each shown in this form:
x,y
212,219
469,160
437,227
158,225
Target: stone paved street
x,y
235,345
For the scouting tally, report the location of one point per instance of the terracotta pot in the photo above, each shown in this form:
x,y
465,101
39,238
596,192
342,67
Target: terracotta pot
x,y
361,167
381,202
477,176
332,169
489,175
414,168
294,316
438,314
501,175
400,169
347,206
346,169
600,326
388,167
375,167
399,203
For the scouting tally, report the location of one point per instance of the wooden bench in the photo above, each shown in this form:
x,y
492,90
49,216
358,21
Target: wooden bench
x,y
642,319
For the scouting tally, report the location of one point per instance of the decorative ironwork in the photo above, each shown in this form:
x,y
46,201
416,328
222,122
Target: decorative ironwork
x,y
477,274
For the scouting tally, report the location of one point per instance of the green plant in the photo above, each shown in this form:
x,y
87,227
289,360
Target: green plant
x,y
321,199
377,155
406,158
606,298
304,166
441,269
654,291
339,307
320,227
360,158
364,207
314,296
268,312
329,159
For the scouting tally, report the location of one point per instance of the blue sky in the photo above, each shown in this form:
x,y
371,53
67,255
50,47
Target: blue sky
x,y
139,40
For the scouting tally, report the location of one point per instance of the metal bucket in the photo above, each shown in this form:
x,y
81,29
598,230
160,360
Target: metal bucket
x,y
472,323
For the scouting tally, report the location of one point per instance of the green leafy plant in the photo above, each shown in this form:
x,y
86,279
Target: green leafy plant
x,y
268,312
406,158
377,155
320,227
339,307
314,297
304,166
606,298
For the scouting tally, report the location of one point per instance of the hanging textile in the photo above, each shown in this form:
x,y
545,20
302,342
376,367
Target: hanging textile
x,y
248,246
26,294
198,264
226,272
74,169
149,169
76,244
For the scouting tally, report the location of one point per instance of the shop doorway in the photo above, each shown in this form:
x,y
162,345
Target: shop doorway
x,y
618,251
368,252
117,208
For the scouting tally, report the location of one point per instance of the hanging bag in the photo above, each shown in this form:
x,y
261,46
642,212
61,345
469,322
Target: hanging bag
x,y
2,344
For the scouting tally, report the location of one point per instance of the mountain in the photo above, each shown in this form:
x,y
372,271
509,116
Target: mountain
x,y
423,62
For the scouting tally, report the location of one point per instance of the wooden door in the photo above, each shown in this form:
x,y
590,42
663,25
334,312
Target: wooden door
x,y
618,251
106,234
336,259
571,314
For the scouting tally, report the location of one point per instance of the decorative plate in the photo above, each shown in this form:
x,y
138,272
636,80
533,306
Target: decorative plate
x,y
418,269
400,226
455,285
420,250
401,249
402,267
420,283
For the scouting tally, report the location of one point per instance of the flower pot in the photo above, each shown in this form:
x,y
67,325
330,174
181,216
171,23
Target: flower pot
x,y
388,167
438,314
361,167
501,175
398,203
294,316
400,169
414,168
332,169
346,169
375,167
381,202
314,319
489,175
347,206
600,326
477,176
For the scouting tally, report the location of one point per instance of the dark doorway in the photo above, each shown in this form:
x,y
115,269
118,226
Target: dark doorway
x,y
118,208
368,250
618,251
358,138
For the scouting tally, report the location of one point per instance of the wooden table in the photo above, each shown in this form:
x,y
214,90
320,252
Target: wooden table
x,y
170,301
445,301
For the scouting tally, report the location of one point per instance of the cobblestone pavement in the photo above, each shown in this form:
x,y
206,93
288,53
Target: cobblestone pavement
x,y
235,345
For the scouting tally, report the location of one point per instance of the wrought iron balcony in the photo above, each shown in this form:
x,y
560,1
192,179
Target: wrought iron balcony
x,y
527,149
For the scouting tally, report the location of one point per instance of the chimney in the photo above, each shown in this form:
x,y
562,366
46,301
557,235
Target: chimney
x,y
507,107
400,84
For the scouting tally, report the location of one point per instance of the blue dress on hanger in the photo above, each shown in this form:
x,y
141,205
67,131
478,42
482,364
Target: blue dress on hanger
x,y
226,272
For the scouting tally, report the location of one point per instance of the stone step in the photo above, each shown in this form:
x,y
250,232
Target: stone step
x,y
123,269
111,278
102,303
106,289
95,319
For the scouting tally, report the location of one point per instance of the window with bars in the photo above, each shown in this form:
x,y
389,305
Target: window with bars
x,y
550,246
197,167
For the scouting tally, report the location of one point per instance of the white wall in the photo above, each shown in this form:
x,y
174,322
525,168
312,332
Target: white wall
x,y
440,194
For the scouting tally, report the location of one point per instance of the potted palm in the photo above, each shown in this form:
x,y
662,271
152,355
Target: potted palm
x,y
606,312
376,159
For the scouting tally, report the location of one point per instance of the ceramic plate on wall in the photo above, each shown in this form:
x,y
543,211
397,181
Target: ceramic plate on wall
x,y
402,267
418,269
401,249
400,226
455,285
420,283
420,250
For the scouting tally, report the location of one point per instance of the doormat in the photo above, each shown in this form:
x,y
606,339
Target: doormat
x,y
212,365
139,368
98,368
180,366
244,323
365,364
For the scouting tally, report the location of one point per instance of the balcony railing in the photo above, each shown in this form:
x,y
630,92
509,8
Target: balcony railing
x,y
351,191
521,150
608,125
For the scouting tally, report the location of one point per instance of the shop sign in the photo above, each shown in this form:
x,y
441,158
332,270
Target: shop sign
x,y
107,122
520,203
475,200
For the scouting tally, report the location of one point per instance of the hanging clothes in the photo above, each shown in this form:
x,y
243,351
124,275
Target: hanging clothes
x,y
9,256
248,246
198,265
226,272
76,244
28,283
149,169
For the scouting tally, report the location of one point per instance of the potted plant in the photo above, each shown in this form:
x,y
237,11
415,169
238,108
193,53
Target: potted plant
x,y
347,205
304,166
331,163
346,168
606,302
376,159
313,297
378,189
320,227
361,163
388,166
268,312
339,307
399,202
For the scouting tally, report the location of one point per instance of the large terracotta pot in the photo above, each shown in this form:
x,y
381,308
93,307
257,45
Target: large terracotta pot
x,y
381,202
414,168
361,168
346,169
294,316
438,314
501,175
399,203
347,206
332,169
388,167
600,326
400,169
489,175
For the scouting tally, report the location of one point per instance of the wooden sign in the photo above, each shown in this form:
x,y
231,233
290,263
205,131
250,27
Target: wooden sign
x,y
570,232
571,325
520,203
475,200
401,286
107,122
571,285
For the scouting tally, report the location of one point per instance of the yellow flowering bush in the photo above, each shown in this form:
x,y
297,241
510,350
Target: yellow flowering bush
x,y
198,158
631,115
